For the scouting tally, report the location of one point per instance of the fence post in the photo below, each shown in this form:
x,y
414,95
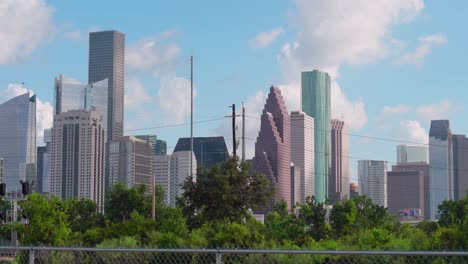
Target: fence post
x,y
31,255
218,256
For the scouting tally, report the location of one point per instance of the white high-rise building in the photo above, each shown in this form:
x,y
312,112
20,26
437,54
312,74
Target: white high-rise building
x,y
338,183
180,170
372,177
77,156
412,153
302,151
131,162
162,170
441,164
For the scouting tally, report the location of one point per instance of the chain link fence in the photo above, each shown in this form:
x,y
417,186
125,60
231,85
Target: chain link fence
x,y
218,256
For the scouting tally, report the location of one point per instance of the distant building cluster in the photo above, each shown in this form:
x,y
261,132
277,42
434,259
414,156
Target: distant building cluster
x,y
302,153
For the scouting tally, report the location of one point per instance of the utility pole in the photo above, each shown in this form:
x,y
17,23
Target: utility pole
x,y
191,115
234,131
243,132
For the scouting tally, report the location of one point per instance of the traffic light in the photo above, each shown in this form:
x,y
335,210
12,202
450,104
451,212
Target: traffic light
x,y
2,189
25,188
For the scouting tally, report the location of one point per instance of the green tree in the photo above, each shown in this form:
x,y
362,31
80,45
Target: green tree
x,y
47,221
313,214
454,212
82,215
121,202
223,192
343,217
284,228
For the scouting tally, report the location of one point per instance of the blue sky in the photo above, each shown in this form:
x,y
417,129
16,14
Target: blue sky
x,y
396,64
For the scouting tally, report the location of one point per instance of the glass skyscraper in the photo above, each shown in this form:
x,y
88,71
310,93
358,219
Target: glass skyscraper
x,y
412,153
18,141
316,102
107,60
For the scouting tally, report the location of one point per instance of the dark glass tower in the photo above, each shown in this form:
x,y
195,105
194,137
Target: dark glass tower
x,y
107,60
207,150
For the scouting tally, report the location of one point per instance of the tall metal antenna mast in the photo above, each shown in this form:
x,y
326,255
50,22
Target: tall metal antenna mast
x,y
191,115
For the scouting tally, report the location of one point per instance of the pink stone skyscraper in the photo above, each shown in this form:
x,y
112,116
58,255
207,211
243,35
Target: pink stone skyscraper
x,y
273,147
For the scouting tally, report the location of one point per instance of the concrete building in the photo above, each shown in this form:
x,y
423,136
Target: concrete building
x,y
296,184
43,164
180,170
273,148
412,153
460,166
159,146
77,156
162,168
338,183
18,141
424,169
441,165
372,177
131,162
316,102
405,190
208,150
302,152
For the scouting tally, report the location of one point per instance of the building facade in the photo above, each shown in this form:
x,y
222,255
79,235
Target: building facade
x,y
302,152
372,177
180,170
131,162
296,184
338,183
18,141
316,102
160,148
441,165
77,156
273,148
460,166
405,190
162,171
422,167
208,150
412,153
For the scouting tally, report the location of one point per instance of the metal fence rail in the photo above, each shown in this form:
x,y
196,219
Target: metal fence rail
x,y
202,256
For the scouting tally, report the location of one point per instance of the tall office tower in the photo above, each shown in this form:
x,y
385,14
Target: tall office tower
x,y
440,160
372,177
18,141
107,60
316,103
161,147
70,94
338,183
460,166
412,153
405,190
43,164
208,150
162,171
296,184
131,162
353,190
180,170
273,148
77,156
150,139
302,151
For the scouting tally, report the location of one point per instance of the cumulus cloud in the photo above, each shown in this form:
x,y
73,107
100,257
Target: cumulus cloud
x,y
412,131
396,110
263,39
25,25
73,35
44,109
442,110
135,95
425,47
174,98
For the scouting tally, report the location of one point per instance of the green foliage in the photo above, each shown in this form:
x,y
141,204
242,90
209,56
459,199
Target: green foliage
x,y
454,212
121,202
313,214
343,218
224,192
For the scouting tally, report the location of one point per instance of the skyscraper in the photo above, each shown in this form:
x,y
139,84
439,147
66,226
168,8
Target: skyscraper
x,y
208,150
77,156
460,166
273,147
162,170
180,170
440,160
372,177
338,184
405,190
316,102
18,141
131,162
159,146
107,61
412,153
302,152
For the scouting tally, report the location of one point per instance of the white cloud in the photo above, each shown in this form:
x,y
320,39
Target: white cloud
x,y
413,132
135,95
397,110
425,47
73,35
263,39
25,25
174,98
44,110
352,112
442,110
